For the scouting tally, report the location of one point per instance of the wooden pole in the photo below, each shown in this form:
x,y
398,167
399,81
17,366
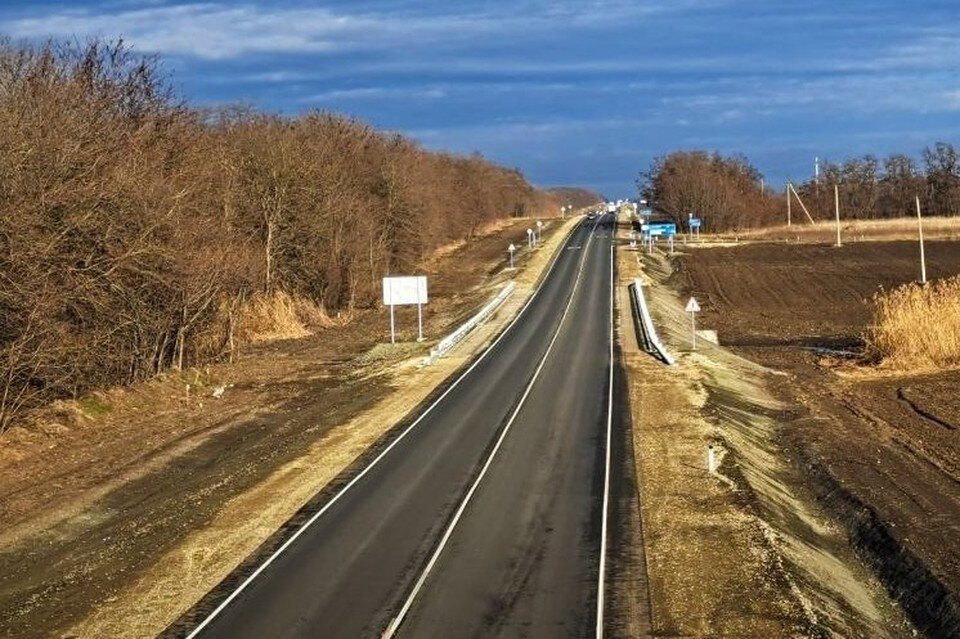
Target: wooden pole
x,y
802,205
788,204
923,261
836,206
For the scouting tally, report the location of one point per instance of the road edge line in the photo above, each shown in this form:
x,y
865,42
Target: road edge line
x,y
601,576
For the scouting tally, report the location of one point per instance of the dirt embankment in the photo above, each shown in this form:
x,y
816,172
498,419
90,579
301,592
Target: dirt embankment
x,y
881,450
127,509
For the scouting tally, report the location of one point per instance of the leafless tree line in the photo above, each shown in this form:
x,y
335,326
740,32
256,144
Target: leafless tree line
x,y
871,188
135,229
728,191
725,191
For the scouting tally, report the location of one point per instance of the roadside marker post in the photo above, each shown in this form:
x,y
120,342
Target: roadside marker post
x,y
711,459
529,238
693,307
539,231
511,249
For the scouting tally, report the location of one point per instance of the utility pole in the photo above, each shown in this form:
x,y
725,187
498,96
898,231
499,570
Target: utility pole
x,y
788,204
836,205
923,261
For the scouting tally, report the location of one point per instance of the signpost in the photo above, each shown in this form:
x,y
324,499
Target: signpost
x,y
693,307
405,290
512,248
694,223
529,238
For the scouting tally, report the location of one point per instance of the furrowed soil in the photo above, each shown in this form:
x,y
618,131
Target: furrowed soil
x,y
881,450
121,510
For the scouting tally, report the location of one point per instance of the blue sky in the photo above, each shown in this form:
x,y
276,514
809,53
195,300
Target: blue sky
x,y
570,92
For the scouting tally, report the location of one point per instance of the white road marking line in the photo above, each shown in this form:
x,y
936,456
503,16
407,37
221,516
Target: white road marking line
x,y
246,582
394,625
606,476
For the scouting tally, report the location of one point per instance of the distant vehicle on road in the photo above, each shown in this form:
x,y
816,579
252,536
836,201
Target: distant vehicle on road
x,y
611,207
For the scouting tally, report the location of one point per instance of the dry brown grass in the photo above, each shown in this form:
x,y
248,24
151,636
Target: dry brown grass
x,y
917,327
280,316
904,228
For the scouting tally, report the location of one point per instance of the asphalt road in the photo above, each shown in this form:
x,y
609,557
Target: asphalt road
x,y
522,437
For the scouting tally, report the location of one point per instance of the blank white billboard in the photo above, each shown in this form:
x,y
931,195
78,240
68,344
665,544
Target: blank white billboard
x,y
406,289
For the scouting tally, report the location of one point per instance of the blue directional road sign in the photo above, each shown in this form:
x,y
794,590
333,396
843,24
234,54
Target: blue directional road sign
x,y
694,222
662,228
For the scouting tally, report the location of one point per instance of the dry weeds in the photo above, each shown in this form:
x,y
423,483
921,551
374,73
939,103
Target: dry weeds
x,y
280,315
904,228
917,327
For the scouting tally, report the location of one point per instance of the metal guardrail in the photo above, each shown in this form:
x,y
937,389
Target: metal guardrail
x,y
454,338
646,330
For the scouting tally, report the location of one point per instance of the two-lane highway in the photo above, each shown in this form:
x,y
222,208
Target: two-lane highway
x,y
484,517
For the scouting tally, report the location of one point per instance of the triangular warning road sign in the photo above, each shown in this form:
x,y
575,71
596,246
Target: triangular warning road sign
x,y
693,306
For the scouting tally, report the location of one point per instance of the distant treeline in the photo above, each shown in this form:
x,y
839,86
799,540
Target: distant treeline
x,y
576,197
136,230
728,191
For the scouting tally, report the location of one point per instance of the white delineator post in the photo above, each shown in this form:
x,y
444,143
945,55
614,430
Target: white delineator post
x,y
393,329
836,206
539,231
419,316
711,459
529,238
511,249
693,307
923,259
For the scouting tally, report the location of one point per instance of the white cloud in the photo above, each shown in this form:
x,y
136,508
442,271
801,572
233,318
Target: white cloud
x,y
223,30
369,93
